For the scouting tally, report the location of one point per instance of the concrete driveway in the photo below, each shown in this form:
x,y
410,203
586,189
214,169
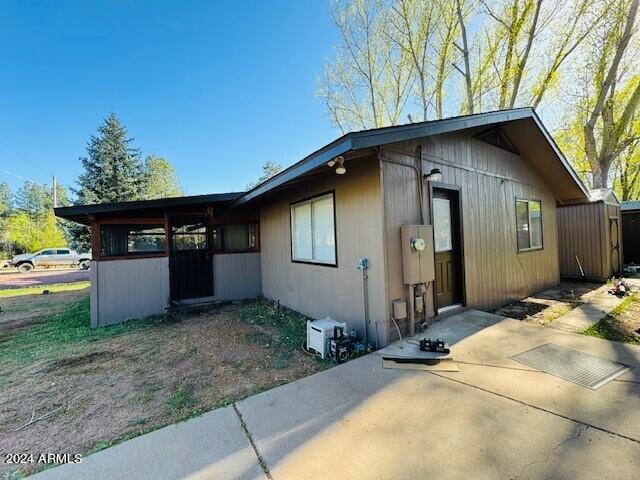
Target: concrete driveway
x,y
493,419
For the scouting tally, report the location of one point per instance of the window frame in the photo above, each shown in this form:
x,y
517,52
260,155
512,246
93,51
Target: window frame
x,y
310,200
528,201
148,223
221,226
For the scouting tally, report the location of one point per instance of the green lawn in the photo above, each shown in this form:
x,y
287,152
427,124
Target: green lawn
x,y
69,326
38,289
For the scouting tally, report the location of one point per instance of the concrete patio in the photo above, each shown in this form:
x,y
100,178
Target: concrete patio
x,y
493,419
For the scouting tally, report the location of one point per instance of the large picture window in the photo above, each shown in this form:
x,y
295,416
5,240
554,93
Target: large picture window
x,y
529,224
123,240
313,230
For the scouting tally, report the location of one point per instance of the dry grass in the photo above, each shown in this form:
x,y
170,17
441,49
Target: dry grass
x,y
118,382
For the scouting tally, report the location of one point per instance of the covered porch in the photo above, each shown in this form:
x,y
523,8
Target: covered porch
x,y
149,255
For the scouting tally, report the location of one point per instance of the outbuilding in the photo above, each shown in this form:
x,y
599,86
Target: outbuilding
x,y
631,231
590,237
382,227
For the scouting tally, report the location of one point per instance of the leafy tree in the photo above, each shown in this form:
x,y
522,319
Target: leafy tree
x,y
469,56
161,180
112,168
6,208
627,181
612,93
269,169
27,234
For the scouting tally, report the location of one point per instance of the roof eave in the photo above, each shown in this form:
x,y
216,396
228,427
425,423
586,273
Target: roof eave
x,y
75,212
559,153
316,159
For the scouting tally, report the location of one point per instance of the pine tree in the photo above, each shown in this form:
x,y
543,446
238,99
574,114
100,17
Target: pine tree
x,y
113,172
112,168
6,199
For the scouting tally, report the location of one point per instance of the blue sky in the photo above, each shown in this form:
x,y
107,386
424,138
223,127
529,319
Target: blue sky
x,y
218,88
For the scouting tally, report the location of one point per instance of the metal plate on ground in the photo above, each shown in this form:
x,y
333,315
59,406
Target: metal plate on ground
x,y
428,365
572,365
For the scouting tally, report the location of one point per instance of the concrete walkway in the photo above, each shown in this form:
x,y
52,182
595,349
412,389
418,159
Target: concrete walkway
x,y
590,313
493,419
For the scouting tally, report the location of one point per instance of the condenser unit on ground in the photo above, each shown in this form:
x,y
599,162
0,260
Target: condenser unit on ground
x,y
318,334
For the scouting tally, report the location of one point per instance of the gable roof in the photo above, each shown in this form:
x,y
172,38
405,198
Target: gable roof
x,y
605,195
630,205
565,178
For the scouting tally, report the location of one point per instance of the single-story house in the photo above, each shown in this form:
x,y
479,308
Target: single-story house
x,y
479,194
630,211
590,236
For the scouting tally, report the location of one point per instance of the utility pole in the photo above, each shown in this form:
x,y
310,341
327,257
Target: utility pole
x,y
55,192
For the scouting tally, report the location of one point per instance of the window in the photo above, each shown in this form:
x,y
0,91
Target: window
x,y
237,237
123,240
62,252
190,233
313,237
529,224
442,225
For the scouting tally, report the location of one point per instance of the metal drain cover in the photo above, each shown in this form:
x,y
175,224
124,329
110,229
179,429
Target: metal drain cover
x,y
572,365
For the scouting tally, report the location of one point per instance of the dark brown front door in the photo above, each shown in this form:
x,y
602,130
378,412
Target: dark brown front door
x,y
446,233
190,260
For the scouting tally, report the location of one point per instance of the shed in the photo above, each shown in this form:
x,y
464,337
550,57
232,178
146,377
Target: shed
x,y
589,235
631,231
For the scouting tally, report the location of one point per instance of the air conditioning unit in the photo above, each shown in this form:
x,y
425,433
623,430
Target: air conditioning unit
x,y
318,334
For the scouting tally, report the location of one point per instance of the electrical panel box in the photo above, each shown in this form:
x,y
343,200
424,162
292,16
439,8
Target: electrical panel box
x,y
399,309
417,254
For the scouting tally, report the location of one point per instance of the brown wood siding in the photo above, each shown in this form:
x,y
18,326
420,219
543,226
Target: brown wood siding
x,y
319,290
584,232
490,180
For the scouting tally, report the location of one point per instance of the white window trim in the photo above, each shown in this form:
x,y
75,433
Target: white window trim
x,y
529,249
309,201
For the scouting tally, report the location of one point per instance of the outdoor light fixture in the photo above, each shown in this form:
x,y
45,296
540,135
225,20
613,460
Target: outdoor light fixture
x,y
435,175
331,163
340,170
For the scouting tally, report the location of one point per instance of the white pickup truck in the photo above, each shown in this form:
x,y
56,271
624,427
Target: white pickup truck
x,y
51,257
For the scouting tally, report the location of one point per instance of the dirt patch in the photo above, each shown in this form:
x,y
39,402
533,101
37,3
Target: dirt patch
x,y
79,361
14,279
120,386
546,306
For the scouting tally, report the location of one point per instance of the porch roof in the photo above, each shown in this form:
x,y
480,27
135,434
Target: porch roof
x,y
82,213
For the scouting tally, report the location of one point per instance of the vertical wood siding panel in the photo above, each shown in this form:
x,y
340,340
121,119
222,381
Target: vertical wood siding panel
x,y
132,288
494,272
317,290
